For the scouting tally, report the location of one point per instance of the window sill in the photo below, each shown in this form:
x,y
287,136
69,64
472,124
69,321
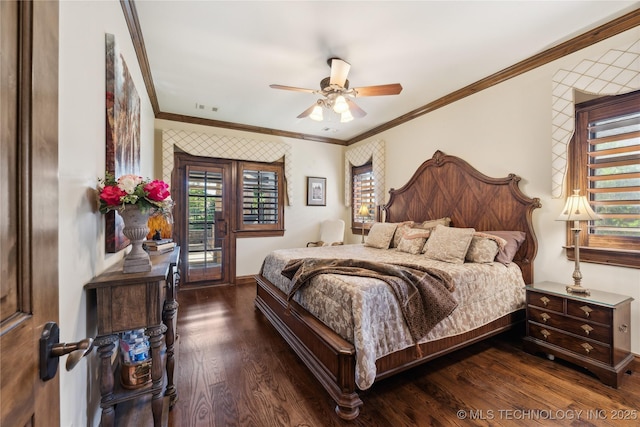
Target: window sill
x,y
616,257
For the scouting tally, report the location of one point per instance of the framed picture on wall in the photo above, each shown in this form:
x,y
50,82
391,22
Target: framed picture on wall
x,y
316,191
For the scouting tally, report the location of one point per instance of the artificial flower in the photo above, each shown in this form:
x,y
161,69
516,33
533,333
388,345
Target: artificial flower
x,y
148,195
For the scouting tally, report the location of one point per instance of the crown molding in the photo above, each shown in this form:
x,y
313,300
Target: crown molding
x,y
598,34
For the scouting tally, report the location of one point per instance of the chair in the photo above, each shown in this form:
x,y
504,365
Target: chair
x,y
331,233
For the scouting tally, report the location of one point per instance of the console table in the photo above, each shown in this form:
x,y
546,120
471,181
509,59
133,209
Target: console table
x,y
127,301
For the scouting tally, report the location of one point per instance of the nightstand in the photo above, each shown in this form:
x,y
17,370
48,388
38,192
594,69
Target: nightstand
x,y
593,331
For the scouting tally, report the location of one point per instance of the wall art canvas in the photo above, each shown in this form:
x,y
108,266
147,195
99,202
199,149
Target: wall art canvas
x,y
122,133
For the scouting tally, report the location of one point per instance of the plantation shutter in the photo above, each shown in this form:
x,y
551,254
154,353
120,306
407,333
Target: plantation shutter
x,y
260,202
363,193
260,196
613,163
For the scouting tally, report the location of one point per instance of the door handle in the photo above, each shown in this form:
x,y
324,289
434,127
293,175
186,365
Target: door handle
x,y
51,349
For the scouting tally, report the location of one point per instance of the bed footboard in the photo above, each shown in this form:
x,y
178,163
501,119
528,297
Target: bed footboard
x,y
330,358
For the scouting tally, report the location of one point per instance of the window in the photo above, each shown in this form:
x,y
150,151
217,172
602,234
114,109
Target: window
x,y
363,185
261,198
605,155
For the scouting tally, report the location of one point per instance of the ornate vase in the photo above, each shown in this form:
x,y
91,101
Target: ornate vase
x,y
135,228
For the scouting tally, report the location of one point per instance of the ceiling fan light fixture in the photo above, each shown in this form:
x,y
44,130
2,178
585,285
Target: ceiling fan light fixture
x,y
340,105
316,114
346,117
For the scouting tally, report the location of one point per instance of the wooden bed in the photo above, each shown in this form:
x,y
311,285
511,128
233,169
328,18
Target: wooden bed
x,y
442,186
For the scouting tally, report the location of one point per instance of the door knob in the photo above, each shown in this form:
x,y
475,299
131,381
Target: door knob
x,y
51,349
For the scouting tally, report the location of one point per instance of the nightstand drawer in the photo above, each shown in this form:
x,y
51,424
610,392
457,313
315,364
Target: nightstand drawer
x,y
575,326
549,302
587,348
590,312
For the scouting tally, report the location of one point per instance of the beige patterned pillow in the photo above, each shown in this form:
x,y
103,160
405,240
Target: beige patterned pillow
x,y
402,228
413,240
427,225
380,235
449,244
484,248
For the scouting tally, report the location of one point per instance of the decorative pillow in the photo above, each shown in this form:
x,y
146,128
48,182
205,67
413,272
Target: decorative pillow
x,y
428,225
381,234
449,244
484,247
400,231
514,240
413,240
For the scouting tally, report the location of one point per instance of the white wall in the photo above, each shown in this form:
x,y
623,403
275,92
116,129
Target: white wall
x,y
507,129
501,130
301,221
81,161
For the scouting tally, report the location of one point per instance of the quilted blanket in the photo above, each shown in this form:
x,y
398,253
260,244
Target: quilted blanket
x,y
423,294
364,311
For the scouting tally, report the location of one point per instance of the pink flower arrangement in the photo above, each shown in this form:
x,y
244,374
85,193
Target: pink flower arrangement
x,y
148,195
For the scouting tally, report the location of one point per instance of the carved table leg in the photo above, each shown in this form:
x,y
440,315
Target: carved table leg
x,y
106,345
168,316
156,339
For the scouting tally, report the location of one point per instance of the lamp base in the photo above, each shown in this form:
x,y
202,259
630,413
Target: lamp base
x,y
576,289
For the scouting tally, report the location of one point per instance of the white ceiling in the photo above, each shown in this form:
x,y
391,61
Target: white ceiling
x,y
225,54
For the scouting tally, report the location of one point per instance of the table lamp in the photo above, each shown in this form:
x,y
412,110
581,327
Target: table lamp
x,y
363,212
577,209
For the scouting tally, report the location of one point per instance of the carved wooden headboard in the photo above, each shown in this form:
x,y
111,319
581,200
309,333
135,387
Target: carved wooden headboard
x,y
449,186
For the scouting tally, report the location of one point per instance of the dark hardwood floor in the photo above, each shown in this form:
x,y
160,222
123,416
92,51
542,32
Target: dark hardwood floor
x,y
235,370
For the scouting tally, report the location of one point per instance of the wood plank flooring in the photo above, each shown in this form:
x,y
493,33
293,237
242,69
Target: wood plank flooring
x,y
235,370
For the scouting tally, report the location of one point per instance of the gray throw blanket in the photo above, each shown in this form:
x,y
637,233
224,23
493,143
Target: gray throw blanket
x,y
424,294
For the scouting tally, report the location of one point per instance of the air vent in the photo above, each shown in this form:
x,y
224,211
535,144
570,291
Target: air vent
x,y
203,107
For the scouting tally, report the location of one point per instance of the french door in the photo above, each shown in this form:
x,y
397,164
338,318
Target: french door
x,y
203,219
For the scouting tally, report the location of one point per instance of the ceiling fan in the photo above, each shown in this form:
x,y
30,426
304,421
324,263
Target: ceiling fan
x,y
337,95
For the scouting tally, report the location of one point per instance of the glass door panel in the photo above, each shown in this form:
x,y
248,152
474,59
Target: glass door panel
x,y
206,225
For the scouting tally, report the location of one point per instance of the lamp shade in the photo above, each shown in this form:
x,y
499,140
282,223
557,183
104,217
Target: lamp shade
x,y
340,105
577,208
364,210
346,117
316,114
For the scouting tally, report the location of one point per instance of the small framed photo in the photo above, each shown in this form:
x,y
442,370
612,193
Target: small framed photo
x,y
316,191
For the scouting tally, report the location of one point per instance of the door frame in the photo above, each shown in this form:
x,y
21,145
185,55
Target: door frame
x,y
178,184
30,400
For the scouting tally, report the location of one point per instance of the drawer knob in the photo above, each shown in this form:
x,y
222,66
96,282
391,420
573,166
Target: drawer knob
x,y
545,301
587,347
623,328
545,333
545,317
587,310
586,328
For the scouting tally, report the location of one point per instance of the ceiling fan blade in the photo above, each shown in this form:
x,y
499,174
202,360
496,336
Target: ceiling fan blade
x,y
307,112
339,72
297,89
390,89
355,110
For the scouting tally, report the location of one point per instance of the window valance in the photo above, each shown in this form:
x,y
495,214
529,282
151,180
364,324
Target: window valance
x,y
614,73
226,147
358,156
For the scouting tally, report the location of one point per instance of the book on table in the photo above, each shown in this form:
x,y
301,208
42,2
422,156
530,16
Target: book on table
x,y
154,246
157,242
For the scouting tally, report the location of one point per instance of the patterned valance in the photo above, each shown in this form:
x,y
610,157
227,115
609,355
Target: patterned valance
x,y
358,156
226,147
615,72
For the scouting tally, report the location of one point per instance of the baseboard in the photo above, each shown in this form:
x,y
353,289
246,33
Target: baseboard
x,y
245,280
